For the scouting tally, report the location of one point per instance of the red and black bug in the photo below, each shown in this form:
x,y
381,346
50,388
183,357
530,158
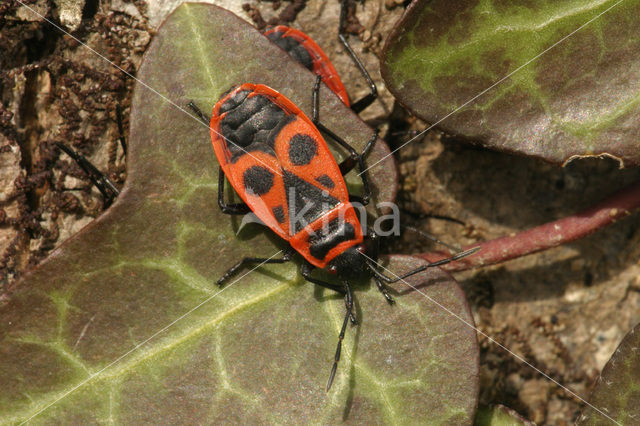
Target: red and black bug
x,y
307,52
279,164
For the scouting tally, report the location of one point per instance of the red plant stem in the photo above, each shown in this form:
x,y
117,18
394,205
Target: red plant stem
x,y
545,236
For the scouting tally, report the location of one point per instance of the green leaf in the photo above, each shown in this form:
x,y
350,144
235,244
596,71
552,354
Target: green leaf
x,y
617,391
579,98
124,323
499,415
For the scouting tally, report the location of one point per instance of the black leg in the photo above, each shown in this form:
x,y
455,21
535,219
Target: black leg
x,y
286,257
355,199
373,249
306,269
349,163
107,188
354,158
342,36
315,100
383,290
349,303
234,209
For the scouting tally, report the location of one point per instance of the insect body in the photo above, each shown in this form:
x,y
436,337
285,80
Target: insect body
x,y
307,52
279,164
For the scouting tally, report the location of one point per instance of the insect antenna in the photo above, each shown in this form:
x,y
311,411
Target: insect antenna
x,y
372,266
199,113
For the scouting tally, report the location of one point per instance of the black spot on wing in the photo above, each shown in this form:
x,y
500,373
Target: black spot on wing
x,y
257,180
302,149
306,202
325,181
329,236
293,47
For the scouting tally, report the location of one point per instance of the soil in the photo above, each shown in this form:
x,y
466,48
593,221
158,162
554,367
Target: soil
x,y
57,90
564,310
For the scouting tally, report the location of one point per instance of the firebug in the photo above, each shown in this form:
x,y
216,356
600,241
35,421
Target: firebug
x,y
279,164
277,161
307,52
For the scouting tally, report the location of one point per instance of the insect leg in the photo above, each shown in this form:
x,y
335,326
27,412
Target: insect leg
x,y
383,290
306,269
315,100
349,163
354,158
239,208
373,254
106,187
315,118
349,303
342,36
286,257
101,181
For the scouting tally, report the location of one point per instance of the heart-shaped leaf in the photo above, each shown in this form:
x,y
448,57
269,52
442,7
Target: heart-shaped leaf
x,y
551,79
124,322
617,393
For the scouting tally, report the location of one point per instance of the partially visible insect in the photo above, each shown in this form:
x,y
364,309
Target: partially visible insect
x,y
307,52
101,181
279,164
106,187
